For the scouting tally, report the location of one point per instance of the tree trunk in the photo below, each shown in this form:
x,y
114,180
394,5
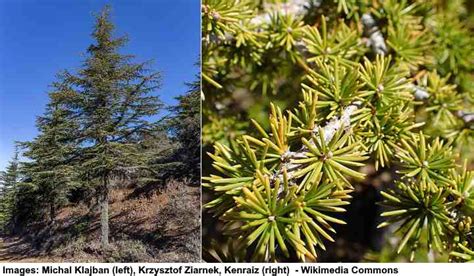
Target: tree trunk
x,y
52,212
104,211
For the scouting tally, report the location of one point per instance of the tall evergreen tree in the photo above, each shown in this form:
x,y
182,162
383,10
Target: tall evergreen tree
x,y
112,104
186,127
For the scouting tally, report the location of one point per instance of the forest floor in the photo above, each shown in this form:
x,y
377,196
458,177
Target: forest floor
x,y
15,249
162,226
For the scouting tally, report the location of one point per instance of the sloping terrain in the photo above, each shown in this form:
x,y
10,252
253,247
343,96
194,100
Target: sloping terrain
x,y
162,226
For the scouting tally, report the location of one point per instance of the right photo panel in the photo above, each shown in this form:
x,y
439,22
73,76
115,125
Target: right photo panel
x,y
337,131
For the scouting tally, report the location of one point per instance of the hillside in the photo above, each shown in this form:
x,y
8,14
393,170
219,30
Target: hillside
x,y
162,226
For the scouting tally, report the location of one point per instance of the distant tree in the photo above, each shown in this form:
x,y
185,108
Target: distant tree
x,y
158,149
186,128
8,185
112,104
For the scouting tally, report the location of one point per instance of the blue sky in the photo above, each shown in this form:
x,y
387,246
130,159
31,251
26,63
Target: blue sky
x,y
40,38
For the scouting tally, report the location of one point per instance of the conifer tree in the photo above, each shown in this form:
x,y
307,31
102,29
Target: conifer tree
x,y
112,102
186,127
172,148
9,180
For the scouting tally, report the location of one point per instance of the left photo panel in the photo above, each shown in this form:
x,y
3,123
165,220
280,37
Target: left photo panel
x,y
100,131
